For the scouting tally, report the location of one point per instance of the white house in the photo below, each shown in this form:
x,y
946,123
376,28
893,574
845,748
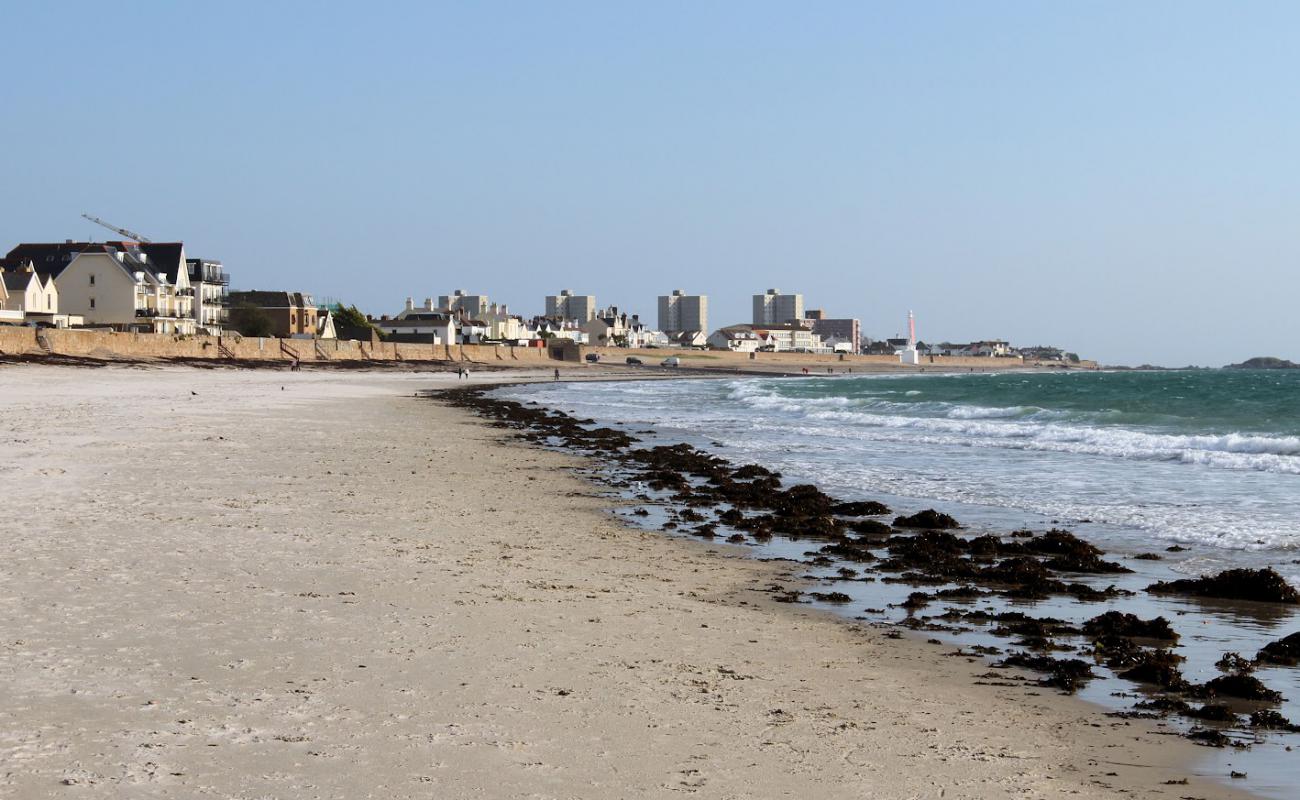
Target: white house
x,y
109,286
792,339
26,292
428,326
737,339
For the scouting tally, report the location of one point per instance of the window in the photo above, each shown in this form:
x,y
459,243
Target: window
x,y
92,302
47,302
92,279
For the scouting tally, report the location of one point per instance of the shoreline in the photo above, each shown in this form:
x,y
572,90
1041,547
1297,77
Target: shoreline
x,y
406,624
673,506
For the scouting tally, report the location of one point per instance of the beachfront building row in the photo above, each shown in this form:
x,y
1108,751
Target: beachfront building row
x,y
790,338
126,285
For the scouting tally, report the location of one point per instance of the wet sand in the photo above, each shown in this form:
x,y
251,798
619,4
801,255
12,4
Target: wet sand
x,y
272,584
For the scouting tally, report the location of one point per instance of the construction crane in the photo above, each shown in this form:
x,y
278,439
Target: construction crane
x,y
128,234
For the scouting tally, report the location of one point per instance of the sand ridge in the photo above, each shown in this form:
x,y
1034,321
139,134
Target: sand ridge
x,y
262,584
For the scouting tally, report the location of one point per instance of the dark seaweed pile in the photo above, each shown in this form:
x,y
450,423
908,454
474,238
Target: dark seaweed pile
x,y
708,496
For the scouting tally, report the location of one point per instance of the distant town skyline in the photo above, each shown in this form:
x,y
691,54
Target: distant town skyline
x,y
1113,178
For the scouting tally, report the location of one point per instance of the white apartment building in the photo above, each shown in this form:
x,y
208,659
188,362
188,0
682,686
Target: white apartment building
x,y
680,312
567,305
774,308
474,306
211,287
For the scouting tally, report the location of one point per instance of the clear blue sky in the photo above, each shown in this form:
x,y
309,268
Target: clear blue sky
x,y
1118,178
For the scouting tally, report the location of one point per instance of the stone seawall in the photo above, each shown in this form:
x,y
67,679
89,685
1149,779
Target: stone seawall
x,y
109,346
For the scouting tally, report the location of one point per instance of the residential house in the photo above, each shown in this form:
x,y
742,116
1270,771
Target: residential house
x,y
691,339
504,326
292,314
26,292
985,349
609,328
122,289
8,315
791,338
737,339
325,324
427,326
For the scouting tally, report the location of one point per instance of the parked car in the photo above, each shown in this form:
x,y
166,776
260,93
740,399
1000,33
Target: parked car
x,y
634,360
593,357
671,361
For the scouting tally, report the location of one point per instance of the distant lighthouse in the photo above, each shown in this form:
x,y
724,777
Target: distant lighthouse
x,y
910,355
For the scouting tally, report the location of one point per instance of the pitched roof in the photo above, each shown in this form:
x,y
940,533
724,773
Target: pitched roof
x,y
163,259
264,299
18,281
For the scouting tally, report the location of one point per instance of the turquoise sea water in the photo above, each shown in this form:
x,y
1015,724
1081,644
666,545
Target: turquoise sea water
x,y
1204,457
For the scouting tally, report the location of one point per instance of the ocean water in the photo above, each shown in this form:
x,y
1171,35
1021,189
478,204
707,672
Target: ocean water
x,y
1209,458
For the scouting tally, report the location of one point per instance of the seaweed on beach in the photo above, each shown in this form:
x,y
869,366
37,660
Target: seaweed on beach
x,y
1118,623
929,518
867,508
1068,674
1158,667
1259,585
1245,687
1284,651
1269,719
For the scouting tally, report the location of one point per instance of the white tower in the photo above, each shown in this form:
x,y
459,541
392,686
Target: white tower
x,y
910,355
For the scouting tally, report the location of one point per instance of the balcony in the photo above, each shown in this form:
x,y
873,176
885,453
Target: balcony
x,y
217,276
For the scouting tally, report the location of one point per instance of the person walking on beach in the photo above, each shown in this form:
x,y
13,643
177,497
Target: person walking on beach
x,y
557,373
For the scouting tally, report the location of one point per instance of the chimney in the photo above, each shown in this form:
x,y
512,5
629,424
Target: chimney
x,y
410,304
428,304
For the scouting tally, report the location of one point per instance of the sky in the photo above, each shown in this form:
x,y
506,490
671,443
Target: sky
x,y
1119,179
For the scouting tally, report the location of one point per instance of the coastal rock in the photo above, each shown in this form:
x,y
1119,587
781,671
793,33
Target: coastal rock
x,y
1259,585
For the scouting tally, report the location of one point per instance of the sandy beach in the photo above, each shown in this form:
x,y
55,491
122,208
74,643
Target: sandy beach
x,y
263,584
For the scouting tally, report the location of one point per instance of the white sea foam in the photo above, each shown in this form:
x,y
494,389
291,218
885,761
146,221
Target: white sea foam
x,y
1030,428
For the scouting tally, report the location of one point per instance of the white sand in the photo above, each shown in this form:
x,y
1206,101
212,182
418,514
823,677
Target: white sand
x,y
336,590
